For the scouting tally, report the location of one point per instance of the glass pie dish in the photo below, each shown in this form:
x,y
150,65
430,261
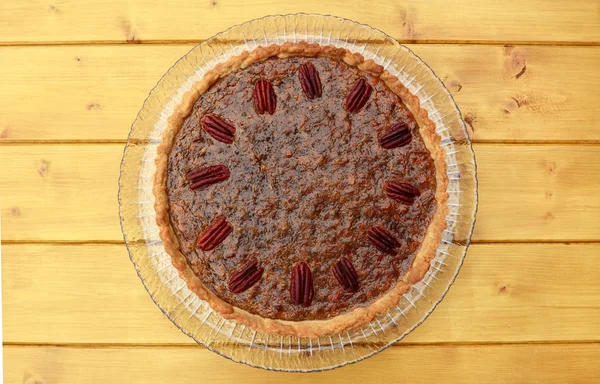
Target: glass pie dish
x,y
239,342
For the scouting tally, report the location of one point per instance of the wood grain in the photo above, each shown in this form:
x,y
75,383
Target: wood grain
x,y
83,93
69,192
138,20
73,74
504,293
573,363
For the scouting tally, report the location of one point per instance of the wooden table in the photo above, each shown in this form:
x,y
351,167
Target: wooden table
x,y
526,75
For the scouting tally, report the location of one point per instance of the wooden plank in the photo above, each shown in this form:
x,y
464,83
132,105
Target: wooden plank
x,y
567,363
83,21
81,294
60,192
69,192
504,293
95,92
538,192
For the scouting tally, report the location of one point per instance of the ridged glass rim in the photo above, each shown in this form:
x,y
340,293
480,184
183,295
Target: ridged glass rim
x,y
160,278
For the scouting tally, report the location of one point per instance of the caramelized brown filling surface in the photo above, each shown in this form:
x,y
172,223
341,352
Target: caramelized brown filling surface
x,y
305,184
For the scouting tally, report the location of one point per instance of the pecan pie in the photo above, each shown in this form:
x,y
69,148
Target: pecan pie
x,y
300,189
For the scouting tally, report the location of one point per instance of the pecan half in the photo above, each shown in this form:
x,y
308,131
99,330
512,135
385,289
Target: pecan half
x,y
346,275
358,96
382,239
310,81
264,97
402,192
398,136
214,234
245,277
301,289
218,128
206,176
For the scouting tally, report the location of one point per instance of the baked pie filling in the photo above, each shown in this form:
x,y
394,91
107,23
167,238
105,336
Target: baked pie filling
x,y
298,187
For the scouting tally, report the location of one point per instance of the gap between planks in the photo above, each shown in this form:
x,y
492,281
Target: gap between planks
x,y
123,142
394,345
120,242
195,42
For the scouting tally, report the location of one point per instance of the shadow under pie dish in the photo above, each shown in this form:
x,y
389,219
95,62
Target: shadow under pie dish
x,y
300,189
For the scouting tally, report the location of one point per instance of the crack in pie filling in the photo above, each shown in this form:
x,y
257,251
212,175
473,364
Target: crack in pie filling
x,y
300,189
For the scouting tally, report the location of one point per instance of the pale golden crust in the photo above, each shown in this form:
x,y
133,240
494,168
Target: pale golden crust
x,y
357,316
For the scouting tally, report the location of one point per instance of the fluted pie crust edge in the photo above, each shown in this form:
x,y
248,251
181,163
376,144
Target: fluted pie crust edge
x,y
359,315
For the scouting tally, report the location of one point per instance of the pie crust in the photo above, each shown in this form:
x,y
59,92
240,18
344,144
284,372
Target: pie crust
x,y
357,316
